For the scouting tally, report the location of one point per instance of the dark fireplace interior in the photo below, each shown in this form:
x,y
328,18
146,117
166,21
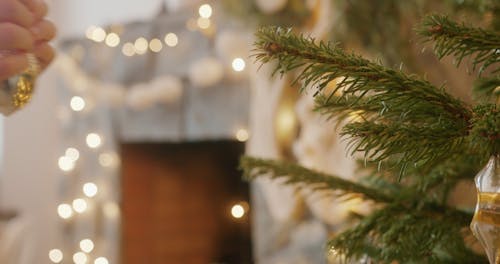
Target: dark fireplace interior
x,y
177,201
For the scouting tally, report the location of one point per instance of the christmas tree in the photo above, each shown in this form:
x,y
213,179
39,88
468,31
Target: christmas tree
x,y
418,142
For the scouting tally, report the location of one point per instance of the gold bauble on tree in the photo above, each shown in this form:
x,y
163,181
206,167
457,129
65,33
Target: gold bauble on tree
x,y
486,222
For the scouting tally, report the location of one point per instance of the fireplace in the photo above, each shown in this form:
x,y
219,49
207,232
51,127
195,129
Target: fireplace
x,y
177,202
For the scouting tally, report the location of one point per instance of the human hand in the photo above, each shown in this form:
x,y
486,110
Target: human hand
x,y
24,29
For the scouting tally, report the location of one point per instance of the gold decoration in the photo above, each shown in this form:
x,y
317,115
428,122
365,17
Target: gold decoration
x,y
286,124
25,84
486,222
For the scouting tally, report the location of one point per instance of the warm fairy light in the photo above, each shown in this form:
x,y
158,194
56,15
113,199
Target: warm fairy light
x,y
171,39
79,205
66,163
205,11
112,40
242,135
203,23
93,140
64,211
101,260
90,189
237,211
98,34
141,45
56,255
155,45
238,64
90,32
86,245
72,153
77,103
80,258
128,49
109,160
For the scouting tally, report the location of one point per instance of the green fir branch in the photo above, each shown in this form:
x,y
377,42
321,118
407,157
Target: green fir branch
x,y
254,167
400,111
460,41
394,234
296,174
487,88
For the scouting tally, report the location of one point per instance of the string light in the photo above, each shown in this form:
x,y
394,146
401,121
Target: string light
x,y
66,163
237,211
128,49
77,103
90,189
141,45
64,211
80,258
171,39
86,245
242,135
112,40
155,45
90,32
238,64
72,153
56,255
79,205
98,34
101,260
203,23
93,140
205,11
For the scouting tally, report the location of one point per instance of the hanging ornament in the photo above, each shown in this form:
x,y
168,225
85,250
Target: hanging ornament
x,y
486,222
271,6
19,89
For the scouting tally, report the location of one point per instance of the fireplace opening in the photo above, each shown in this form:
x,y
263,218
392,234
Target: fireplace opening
x,y
184,203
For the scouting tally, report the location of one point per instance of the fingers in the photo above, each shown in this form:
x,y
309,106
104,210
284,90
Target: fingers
x,y
12,64
43,30
15,38
15,12
45,54
38,7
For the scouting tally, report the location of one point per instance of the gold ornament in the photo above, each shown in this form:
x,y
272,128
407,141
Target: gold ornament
x,y
25,83
486,222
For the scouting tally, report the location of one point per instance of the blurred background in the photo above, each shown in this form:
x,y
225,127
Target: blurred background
x,y
129,151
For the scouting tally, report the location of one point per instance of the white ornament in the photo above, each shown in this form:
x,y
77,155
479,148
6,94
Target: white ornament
x,y
206,72
166,89
271,6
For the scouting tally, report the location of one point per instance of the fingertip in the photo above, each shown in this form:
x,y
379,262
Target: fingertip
x,y
45,54
11,65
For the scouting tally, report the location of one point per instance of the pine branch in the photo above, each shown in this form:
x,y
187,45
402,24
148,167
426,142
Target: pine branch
x,y
387,100
460,41
487,88
393,234
405,222
296,174
254,167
